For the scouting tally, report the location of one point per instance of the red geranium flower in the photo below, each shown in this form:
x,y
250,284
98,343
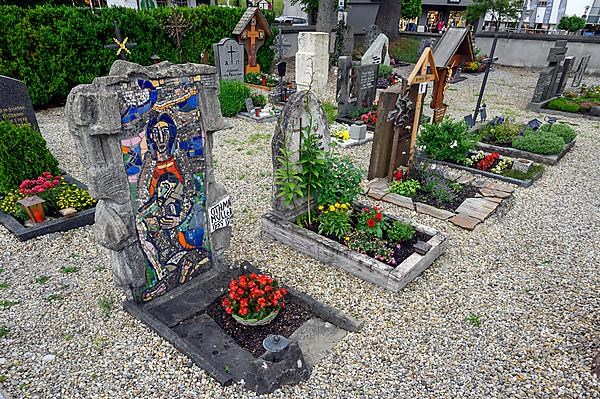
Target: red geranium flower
x,y
378,216
371,223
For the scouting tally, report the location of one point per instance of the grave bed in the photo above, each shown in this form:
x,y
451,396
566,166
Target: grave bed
x,y
81,218
183,317
251,117
348,121
472,211
516,153
541,108
523,183
260,87
331,252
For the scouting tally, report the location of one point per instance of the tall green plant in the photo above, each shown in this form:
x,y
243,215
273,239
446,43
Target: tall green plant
x,y
23,155
287,178
312,160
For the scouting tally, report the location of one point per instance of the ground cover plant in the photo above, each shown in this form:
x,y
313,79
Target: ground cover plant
x,y
232,97
580,101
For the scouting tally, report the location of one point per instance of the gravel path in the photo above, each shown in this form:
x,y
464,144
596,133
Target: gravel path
x,y
529,277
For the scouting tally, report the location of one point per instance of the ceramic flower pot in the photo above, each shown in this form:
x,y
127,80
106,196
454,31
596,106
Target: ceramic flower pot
x,y
256,322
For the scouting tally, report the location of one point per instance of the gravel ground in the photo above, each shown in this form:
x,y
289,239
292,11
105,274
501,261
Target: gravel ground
x,y
530,277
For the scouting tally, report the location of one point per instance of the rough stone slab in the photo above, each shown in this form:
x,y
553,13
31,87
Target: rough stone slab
x,y
464,221
494,199
505,187
316,339
421,247
399,200
478,208
494,193
465,179
377,193
378,182
433,211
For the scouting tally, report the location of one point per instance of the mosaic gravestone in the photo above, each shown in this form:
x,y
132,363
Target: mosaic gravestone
x,y
15,103
302,112
356,86
580,70
229,59
546,84
145,138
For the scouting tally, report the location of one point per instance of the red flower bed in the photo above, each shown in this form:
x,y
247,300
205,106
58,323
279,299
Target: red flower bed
x,y
488,161
253,296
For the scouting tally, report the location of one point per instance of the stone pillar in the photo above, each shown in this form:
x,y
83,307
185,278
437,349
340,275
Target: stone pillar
x,y
312,62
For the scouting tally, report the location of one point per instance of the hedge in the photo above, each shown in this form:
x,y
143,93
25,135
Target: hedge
x,y
54,48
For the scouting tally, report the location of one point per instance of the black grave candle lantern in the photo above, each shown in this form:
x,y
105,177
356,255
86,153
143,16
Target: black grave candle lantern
x,y
281,68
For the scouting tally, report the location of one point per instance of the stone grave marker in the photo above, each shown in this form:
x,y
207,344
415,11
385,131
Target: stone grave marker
x,y
356,85
581,67
252,30
145,136
302,111
372,32
15,103
564,75
229,59
546,84
312,61
249,105
377,53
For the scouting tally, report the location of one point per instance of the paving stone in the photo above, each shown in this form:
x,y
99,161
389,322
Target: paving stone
x,y
433,211
496,200
478,208
377,193
507,188
464,221
399,200
494,193
378,183
465,179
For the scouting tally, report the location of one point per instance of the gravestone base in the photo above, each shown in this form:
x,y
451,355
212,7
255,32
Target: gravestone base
x,y
181,318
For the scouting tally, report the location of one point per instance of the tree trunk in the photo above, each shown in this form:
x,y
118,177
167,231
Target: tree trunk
x,y
326,17
388,18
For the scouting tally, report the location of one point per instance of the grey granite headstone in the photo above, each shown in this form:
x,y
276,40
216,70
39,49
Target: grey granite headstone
x,y
580,70
229,59
249,105
547,82
371,34
564,75
15,103
356,86
303,110
145,138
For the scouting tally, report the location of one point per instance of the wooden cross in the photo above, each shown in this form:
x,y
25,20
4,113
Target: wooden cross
x,y
121,44
253,36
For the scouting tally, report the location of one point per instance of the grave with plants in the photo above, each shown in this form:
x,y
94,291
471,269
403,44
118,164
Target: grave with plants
x,y
451,143
36,197
541,142
582,101
316,207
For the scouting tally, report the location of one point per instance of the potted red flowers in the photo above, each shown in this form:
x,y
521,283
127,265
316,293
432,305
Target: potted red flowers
x,y
254,299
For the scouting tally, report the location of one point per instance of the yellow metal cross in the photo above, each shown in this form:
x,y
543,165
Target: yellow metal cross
x,y
122,45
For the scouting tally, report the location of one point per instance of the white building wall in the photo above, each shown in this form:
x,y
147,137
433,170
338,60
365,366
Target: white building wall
x,y
122,3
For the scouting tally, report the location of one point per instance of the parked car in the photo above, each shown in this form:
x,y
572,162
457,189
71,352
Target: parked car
x,y
291,20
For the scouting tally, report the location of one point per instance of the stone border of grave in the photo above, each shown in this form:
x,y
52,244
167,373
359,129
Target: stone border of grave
x,y
347,121
351,142
218,354
516,153
539,107
333,253
82,218
518,182
249,117
467,215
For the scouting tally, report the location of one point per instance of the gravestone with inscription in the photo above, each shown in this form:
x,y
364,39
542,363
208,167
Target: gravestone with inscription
x,y
356,86
547,82
145,136
15,103
377,53
229,59
581,67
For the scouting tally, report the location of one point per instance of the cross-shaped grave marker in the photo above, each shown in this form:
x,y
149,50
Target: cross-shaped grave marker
x,y
121,44
488,62
176,27
280,47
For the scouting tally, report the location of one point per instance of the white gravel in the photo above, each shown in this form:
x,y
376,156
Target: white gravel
x,y
531,276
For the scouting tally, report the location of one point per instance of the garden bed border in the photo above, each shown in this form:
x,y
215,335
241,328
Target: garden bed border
x,y
539,107
333,253
519,182
516,153
82,218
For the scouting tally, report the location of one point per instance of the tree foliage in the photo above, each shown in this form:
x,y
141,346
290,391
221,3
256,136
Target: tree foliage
x,y
500,10
411,9
572,23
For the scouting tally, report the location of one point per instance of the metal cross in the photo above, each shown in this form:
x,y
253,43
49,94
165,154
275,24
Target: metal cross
x,y
489,62
280,46
121,44
176,27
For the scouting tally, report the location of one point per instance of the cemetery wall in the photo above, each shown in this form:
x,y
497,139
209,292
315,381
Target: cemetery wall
x,y
52,49
524,50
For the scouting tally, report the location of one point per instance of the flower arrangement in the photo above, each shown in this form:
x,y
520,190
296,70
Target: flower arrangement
x,y
371,221
370,118
253,298
334,219
261,79
488,161
37,186
340,131
502,165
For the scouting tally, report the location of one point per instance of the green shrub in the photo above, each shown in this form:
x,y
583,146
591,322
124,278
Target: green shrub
x,y
500,133
407,188
406,50
339,179
540,142
335,221
562,104
23,155
385,71
52,49
233,97
563,130
449,140
399,232
533,172
330,110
